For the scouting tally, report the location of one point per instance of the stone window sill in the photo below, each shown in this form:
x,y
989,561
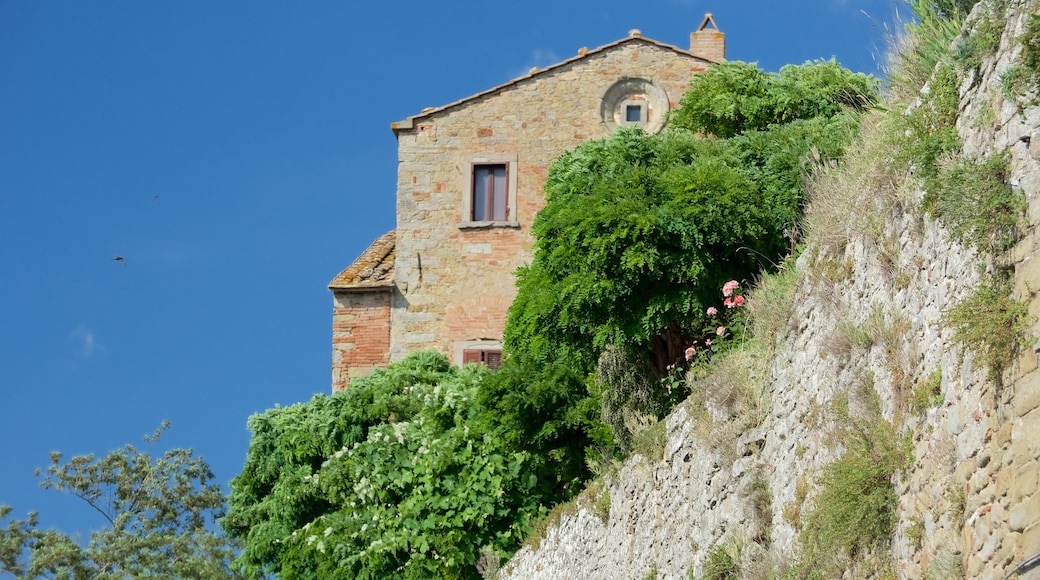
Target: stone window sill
x,y
488,225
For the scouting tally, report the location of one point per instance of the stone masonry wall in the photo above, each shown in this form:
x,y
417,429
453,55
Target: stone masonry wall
x,y
456,283
969,505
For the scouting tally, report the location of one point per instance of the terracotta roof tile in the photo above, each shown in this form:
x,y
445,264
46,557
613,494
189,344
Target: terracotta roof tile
x,y
374,268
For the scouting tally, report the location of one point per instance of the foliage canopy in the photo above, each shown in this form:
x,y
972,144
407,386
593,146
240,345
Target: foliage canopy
x,y
401,475
640,231
159,513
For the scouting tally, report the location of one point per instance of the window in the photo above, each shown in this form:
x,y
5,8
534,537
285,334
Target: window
x,y
633,113
490,357
490,192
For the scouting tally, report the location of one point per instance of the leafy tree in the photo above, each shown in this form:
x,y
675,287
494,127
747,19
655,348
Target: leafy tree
x,y
157,513
640,231
402,475
638,234
545,410
735,97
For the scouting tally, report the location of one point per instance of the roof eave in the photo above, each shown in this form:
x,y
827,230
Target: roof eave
x,y
384,285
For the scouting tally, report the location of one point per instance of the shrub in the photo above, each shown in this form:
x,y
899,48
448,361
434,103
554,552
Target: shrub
x,y
992,323
1030,41
931,127
926,45
981,42
403,475
927,393
723,562
974,200
737,97
855,511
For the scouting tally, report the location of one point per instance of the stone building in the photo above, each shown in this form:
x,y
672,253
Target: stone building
x,y
469,184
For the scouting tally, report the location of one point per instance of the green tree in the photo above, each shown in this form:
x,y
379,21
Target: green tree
x,y
736,97
402,475
159,516
640,232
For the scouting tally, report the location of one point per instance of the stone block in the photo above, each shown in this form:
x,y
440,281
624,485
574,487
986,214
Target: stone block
x,y
1018,516
1003,436
1024,442
1031,539
1027,393
1027,480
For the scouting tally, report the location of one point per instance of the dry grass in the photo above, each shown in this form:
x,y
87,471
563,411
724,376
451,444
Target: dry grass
x,y
771,304
839,211
731,399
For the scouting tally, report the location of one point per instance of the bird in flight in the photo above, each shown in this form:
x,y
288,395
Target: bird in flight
x,y
120,259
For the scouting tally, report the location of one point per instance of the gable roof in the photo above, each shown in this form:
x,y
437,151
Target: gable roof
x,y
634,36
374,268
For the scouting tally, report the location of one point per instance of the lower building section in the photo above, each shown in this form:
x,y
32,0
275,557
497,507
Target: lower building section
x,y
360,334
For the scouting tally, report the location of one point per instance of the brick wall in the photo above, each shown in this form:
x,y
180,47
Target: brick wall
x,y
360,334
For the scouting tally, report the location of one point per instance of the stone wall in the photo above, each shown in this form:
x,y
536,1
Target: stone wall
x,y
455,279
969,504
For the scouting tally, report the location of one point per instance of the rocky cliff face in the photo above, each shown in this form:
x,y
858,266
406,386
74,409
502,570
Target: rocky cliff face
x,y
863,333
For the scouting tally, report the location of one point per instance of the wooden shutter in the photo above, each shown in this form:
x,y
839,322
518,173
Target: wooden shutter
x,y
491,358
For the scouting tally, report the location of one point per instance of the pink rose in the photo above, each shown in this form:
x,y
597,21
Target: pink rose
x,y
712,311
738,300
689,353
708,342
729,287
720,330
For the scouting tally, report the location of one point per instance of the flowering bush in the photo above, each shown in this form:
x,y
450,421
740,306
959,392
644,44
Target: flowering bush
x,y
722,330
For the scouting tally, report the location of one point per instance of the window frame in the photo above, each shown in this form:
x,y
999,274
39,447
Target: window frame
x,y
468,177
465,349
489,357
644,113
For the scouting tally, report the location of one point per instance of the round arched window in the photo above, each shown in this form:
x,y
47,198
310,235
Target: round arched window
x,y
634,101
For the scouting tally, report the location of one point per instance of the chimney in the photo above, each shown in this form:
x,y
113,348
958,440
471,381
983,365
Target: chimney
x,y
708,43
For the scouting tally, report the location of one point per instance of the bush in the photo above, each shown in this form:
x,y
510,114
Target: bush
x,y
855,511
735,97
723,562
403,475
992,323
931,127
973,198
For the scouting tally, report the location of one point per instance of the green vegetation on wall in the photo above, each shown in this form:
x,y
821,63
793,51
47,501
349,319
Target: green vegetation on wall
x,y
853,515
975,202
992,323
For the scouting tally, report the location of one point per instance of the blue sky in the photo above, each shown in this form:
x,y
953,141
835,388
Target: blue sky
x,y
238,155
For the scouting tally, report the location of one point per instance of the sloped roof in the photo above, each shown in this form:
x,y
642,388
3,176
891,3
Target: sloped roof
x,y
633,36
374,268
